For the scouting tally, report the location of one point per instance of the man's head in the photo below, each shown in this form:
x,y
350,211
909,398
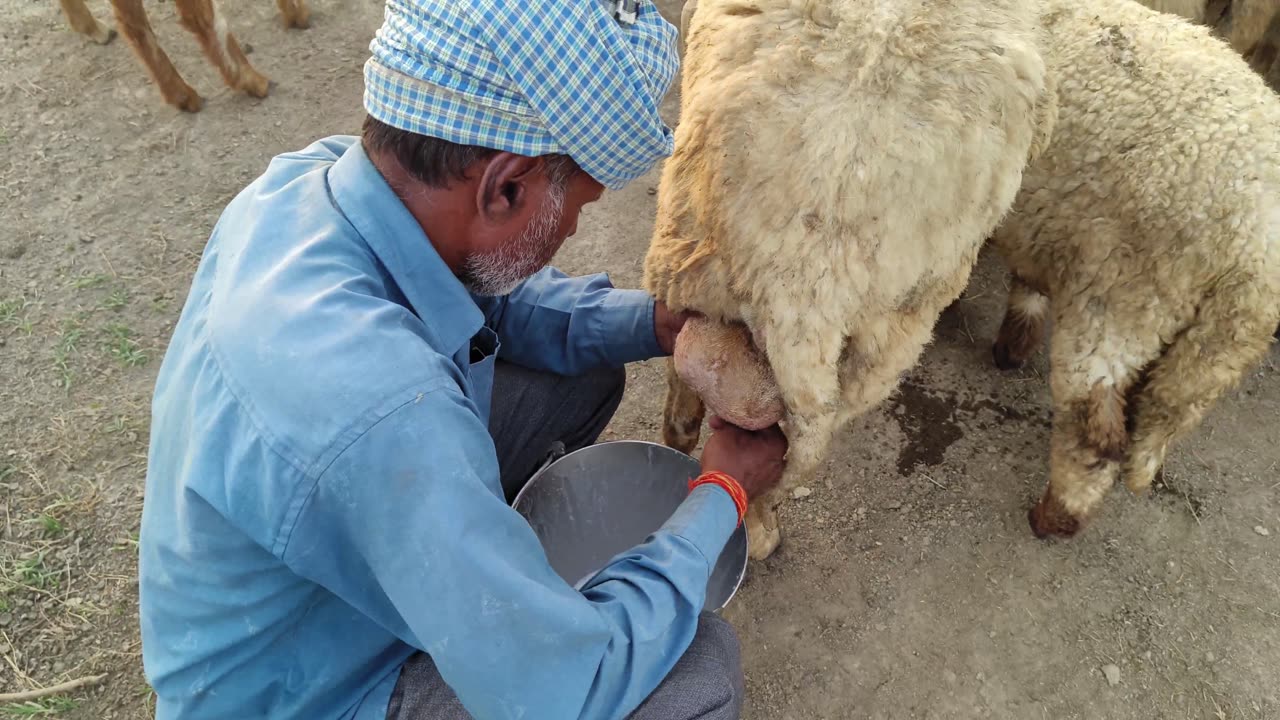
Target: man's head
x,y
532,108
498,217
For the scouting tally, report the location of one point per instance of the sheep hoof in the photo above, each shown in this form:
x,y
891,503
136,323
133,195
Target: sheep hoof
x,y
1048,518
762,542
1005,358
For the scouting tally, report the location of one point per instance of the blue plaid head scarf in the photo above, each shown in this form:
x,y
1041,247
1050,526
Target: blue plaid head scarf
x,y
531,77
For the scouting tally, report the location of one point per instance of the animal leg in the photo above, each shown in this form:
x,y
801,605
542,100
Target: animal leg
x,y
201,18
1090,380
295,13
83,22
1022,331
682,416
1207,359
132,21
804,355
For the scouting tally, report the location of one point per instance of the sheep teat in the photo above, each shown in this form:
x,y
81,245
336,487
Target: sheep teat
x,y
723,366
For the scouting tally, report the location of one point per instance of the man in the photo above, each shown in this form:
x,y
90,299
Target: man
x,y
372,361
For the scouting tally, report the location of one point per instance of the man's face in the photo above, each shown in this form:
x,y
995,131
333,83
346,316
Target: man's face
x,y
500,270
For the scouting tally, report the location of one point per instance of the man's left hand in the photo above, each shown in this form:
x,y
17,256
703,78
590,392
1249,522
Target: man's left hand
x,y
666,325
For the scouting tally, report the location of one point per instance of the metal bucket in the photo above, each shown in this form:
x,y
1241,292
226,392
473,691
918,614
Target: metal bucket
x,y
594,503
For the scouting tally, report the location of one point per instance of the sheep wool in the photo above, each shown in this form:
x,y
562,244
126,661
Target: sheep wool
x,y
1149,232
837,167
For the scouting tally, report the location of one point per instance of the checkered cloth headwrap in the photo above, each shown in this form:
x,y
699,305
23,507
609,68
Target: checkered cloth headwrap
x,y
531,77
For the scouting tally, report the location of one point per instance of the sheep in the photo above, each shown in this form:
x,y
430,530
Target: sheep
x,y
837,167
1149,232
201,18
1251,26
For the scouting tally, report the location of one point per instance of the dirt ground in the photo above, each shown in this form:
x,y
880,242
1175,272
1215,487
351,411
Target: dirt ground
x,y
908,584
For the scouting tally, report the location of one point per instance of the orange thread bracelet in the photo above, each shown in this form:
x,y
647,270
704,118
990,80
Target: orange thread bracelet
x,y
731,486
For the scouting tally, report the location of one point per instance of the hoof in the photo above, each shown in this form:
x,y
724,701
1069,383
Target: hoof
x,y
188,102
762,542
105,36
1048,518
301,21
1004,357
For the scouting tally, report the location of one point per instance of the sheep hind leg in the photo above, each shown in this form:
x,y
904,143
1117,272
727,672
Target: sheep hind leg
x,y
683,413
201,19
83,22
1022,331
1090,382
1205,361
132,21
803,353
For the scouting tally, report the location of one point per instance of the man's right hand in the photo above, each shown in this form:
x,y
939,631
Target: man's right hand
x,y
754,459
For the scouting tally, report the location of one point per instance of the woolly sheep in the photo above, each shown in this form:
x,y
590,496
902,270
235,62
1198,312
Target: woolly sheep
x,y
837,168
1149,231
1252,27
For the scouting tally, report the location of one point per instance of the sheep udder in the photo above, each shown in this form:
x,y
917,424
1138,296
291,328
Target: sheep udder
x,y
722,365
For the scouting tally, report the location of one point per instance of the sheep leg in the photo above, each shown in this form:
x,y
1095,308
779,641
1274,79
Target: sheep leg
x,y
83,22
1022,331
201,19
682,416
295,13
1206,360
686,16
1090,381
804,354
131,18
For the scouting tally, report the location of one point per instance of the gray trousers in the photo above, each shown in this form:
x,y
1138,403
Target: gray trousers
x,y
532,411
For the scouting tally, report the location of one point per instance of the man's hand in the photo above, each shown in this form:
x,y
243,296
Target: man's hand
x,y
666,326
754,459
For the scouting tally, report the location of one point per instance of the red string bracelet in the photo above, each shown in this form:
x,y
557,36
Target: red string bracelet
x,y
731,486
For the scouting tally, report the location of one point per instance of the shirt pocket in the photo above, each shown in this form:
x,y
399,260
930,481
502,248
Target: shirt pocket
x,y
483,354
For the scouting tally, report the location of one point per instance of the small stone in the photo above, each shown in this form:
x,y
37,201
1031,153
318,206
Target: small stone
x,y
1112,674
893,505
1261,530
1146,655
1209,657
6,619
59,667
950,677
86,239
652,191
801,492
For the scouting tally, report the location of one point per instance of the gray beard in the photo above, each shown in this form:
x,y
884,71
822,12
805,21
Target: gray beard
x,y
499,272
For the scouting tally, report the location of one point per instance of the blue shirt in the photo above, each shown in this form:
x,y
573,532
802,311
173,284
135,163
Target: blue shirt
x,y
323,494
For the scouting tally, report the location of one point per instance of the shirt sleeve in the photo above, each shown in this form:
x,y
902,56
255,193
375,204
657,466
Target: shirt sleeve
x,y
408,526
568,325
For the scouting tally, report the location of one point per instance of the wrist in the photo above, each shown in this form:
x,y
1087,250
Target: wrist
x,y
728,484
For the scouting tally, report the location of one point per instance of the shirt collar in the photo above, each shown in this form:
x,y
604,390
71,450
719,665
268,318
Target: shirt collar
x,y
434,293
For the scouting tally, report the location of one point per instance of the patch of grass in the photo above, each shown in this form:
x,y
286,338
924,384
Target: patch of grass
x,y
68,340
123,347
4,604
6,471
13,313
85,281
117,300
51,525
45,707
32,572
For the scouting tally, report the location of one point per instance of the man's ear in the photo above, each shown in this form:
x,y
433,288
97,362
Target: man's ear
x,y
506,186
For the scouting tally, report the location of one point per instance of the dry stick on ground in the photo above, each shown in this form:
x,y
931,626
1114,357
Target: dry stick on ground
x,y
68,686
